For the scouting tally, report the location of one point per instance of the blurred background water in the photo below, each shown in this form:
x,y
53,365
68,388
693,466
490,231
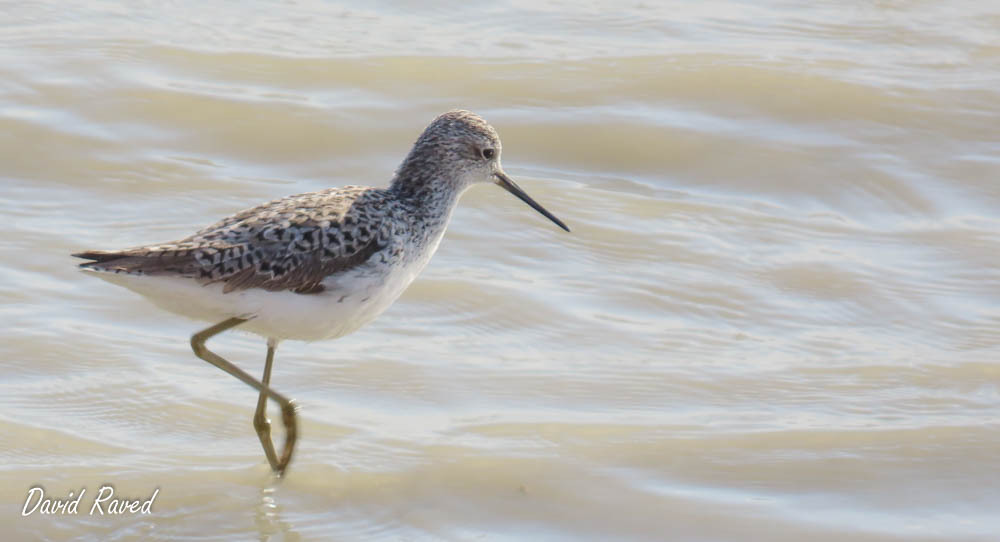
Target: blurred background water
x,y
777,316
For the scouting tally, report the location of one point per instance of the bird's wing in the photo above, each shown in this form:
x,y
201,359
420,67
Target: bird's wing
x,y
288,244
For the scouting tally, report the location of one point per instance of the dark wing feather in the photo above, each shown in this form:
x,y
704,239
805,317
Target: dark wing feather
x,y
156,260
303,275
288,244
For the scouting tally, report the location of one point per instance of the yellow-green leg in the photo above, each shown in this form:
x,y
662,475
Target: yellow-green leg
x,y
287,406
260,421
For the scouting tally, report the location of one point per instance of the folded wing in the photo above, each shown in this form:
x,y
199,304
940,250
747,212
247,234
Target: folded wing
x,y
288,244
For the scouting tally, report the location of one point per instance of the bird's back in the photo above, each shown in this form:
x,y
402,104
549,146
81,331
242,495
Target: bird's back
x,y
293,243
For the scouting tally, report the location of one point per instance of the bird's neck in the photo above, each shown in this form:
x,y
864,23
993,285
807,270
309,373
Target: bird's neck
x,y
429,201
426,191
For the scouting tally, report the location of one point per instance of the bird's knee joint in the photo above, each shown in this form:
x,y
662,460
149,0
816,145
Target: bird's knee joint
x,y
198,345
261,424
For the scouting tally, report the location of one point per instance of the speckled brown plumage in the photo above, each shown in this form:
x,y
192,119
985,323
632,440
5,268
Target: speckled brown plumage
x,y
288,244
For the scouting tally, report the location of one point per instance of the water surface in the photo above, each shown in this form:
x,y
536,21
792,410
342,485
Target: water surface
x,y
777,316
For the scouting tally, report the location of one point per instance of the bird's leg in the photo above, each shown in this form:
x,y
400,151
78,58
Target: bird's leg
x,y
260,421
287,406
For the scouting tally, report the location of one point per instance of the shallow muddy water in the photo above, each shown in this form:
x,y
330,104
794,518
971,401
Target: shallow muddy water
x,y
777,316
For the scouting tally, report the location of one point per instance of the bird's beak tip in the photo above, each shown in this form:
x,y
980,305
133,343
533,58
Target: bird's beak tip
x,y
509,185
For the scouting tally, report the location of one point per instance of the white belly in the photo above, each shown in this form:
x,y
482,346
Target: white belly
x,y
349,301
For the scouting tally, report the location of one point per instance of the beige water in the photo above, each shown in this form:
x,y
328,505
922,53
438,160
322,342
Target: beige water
x,y
777,317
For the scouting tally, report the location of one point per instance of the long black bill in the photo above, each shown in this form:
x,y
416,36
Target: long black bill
x,y
504,181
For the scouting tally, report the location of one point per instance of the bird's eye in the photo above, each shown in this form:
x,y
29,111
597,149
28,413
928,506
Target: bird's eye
x,y
488,153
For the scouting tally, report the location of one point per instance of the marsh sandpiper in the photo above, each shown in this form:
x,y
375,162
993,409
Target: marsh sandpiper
x,y
318,265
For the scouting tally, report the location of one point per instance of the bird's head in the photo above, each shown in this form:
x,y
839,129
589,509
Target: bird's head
x,y
457,150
